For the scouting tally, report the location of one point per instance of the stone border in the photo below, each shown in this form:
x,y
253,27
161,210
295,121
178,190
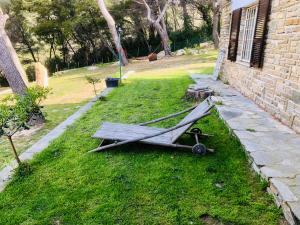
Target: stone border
x,y
7,172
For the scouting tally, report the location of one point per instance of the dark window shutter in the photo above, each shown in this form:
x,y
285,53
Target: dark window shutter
x,y
260,33
234,34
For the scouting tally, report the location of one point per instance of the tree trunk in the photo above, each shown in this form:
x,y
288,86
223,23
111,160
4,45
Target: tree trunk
x,y
216,17
26,41
112,28
14,149
159,25
186,18
164,39
9,62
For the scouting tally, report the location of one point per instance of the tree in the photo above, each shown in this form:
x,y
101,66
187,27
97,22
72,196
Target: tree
x,y
113,30
187,23
216,18
93,81
159,24
20,31
9,62
16,112
210,10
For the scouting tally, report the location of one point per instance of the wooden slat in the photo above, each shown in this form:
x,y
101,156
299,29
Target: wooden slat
x,y
122,132
219,64
260,33
201,109
234,34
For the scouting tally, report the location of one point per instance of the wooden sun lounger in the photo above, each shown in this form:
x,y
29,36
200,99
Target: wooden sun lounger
x,y
122,134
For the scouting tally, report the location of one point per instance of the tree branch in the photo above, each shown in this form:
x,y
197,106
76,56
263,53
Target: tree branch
x,y
162,13
148,12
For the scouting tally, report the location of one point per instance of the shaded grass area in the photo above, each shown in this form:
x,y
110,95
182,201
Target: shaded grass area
x,y
138,184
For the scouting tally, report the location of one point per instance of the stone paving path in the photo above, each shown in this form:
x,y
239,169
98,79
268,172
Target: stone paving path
x,y
44,142
273,148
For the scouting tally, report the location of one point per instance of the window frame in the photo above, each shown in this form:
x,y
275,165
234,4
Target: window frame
x,y
248,46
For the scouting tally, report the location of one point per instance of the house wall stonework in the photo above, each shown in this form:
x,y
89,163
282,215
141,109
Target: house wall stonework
x,y
276,86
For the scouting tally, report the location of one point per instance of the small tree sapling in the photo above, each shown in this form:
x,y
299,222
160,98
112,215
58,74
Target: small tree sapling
x,y
93,81
17,110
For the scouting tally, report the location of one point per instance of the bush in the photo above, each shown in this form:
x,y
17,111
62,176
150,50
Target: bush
x,y
16,112
30,72
55,64
190,38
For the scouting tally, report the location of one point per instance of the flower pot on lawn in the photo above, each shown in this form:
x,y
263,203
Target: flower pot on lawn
x,y
112,82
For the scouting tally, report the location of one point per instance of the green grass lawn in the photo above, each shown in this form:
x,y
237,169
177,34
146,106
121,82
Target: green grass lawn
x,y
69,90
138,184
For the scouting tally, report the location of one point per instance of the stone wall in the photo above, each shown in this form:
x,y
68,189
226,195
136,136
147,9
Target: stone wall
x,y
276,86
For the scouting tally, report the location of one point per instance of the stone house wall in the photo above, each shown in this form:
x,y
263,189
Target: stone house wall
x,y
276,86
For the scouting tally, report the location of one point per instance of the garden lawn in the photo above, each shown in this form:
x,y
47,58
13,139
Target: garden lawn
x,y
70,90
139,184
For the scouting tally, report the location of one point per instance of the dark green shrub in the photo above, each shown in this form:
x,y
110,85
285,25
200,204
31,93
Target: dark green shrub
x,y
189,38
55,64
30,72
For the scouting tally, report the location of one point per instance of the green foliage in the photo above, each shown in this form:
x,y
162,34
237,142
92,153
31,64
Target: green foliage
x,y
54,64
16,110
93,80
30,72
189,38
251,130
219,103
75,33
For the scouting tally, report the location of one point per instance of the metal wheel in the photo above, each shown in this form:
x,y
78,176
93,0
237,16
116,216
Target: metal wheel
x,y
199,149
196,131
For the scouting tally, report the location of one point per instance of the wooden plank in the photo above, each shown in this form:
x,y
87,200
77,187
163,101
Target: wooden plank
x,y
122,132
219,64
201,109
168,117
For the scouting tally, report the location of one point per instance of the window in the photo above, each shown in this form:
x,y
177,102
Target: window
x,y
250,45
249,28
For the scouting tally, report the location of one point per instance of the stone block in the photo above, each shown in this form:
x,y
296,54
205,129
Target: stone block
x,y
283,190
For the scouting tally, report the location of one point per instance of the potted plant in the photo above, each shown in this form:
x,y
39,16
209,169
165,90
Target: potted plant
x,y
112,82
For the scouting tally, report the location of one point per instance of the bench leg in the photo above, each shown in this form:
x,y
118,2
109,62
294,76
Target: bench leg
x,y
199,148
